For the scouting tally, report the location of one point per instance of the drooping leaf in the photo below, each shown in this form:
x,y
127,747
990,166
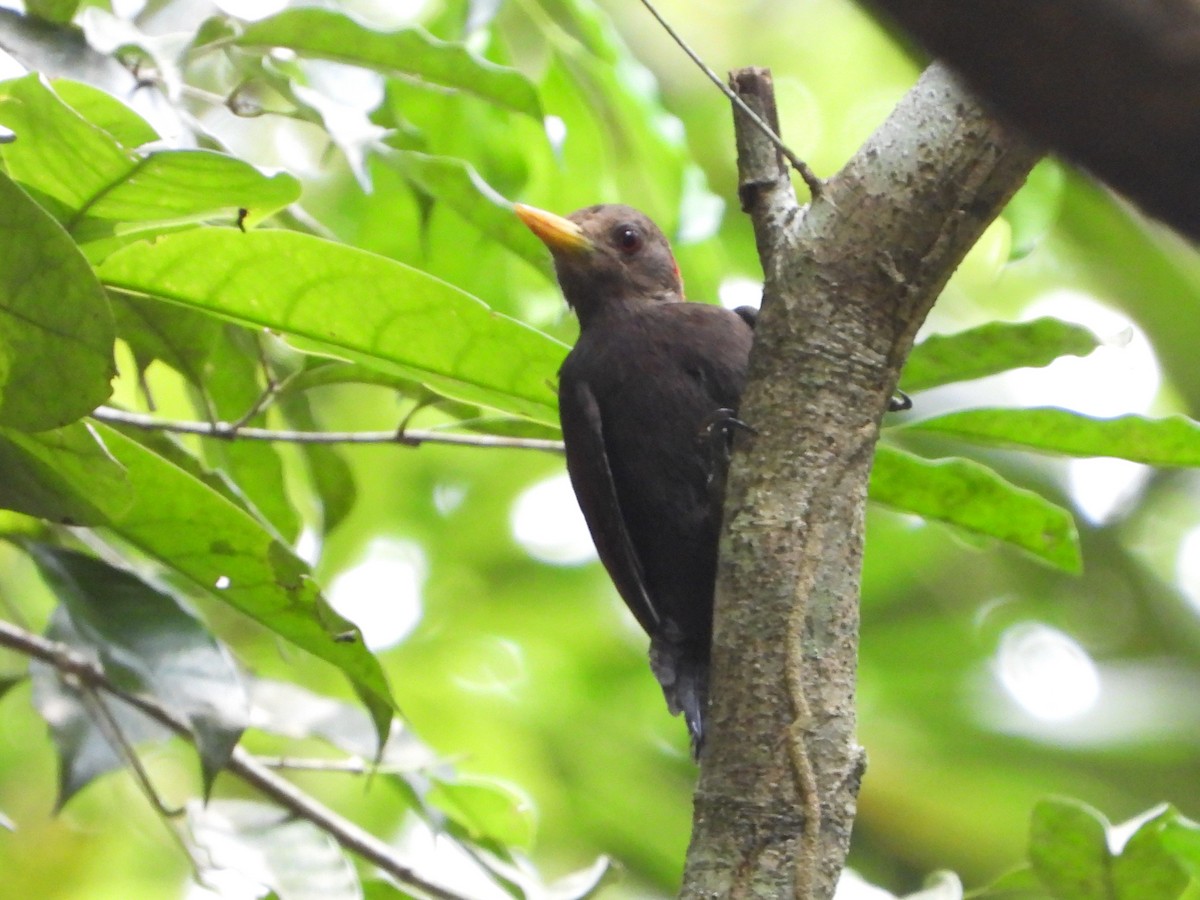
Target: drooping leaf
x,y
219,546
56,330
149,644
403,320
995,347
1169,441
233,386
973,497
82,731
246,846
1068,847
412,52
65,475
331,475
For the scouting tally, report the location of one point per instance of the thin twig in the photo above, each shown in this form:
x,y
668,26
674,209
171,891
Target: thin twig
x,y
815,185
242,764
411,437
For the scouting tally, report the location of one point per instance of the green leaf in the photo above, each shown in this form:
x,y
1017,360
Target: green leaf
x,y
486,810
84,734
60,157
56,329
995,347
457,184
149,644
355,304
219,546
975,498
1068,847
105,111
61,11
267,847
1182,838
411,52
1147,867
1170,441
65,475
99,189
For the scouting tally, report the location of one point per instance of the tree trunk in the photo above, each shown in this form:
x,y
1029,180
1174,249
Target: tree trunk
x,y
849,280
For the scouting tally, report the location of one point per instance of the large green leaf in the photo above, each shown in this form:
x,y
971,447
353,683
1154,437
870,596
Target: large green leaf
x,y
325,34
56,330
1170,441
201,534
64,475
995,347
97,188
355,304
973,497
149,644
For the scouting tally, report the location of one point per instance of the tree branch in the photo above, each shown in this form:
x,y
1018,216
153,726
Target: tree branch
x,y
1112,84
411,437
848,282
348,835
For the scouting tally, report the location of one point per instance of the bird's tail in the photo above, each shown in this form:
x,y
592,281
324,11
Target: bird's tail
x,y
683,674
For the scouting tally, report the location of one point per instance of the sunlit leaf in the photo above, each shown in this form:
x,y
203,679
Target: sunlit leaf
x,y
52,10
65,475
149,644
1068,847
325,34
995,347
105,111
56,330
976,499
224,550
1146,866
403,320
98,188
1169,441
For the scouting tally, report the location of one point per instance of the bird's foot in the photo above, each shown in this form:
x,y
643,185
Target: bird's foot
x,y
900,402
716,435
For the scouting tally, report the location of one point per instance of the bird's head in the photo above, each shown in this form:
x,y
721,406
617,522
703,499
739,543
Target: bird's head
x,y
608,258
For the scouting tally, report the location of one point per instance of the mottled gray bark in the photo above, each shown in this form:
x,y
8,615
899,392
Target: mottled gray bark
x,y
849,280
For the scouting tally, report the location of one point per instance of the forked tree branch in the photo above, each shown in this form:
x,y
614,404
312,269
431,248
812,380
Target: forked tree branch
x,y
848,282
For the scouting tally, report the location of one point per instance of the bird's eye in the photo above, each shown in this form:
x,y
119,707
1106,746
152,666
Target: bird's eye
x,y
628,238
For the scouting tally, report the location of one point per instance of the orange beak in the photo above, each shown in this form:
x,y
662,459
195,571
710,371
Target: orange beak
x,y
557,233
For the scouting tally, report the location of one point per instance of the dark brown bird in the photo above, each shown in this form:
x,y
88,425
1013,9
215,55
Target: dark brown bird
x,y
646,398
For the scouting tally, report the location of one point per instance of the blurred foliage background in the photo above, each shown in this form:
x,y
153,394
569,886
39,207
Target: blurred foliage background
x,y
987,679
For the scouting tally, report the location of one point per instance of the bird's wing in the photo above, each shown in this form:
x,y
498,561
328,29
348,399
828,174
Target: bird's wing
x,y
592,479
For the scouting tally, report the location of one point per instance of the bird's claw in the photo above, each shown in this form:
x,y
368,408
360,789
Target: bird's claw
x,y
900,402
